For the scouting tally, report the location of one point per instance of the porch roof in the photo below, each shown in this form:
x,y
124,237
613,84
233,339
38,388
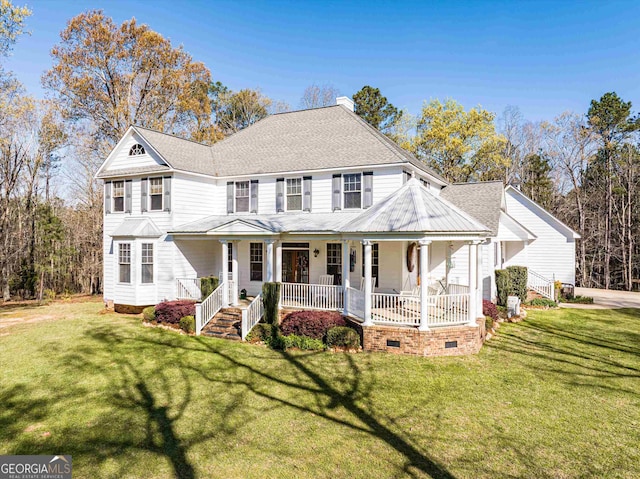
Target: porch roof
x,y
413,208
137,228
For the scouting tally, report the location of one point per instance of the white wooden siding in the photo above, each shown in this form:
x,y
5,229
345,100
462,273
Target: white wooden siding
x,y
551,254
194,198
120,158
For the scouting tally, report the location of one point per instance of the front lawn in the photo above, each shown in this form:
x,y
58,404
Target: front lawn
x,y
556,396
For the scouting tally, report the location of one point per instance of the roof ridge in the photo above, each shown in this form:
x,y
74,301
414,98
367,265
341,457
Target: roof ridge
x,y
483,182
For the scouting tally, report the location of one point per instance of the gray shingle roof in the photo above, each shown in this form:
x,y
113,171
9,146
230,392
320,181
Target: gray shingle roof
x,y
138,228
181,154
321,138
303,222
483,201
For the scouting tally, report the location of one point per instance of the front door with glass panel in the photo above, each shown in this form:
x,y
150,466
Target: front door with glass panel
x,y
295,266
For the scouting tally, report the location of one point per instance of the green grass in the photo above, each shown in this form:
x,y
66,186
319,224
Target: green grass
x,y
556,396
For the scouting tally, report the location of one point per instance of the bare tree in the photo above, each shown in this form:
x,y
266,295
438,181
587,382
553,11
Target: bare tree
x,y
316,96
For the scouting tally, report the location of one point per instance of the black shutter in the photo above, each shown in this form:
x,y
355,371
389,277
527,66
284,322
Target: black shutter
x,y
127,196
143,196
336,187
107,197
367,183
230,190
306,192
280,195
406,176
254,196
167,193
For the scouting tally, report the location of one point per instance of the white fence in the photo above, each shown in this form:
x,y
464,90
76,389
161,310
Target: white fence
x,y
311,296
540,284
208,308
395,309
252,315
188,288
448,309
453,288
355,302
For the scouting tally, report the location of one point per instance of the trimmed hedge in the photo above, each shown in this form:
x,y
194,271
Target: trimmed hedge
x,y
299,342
518,277
543,302
489,309
343,337
260,332
171,312
188,324
503,286
208,285
149,313
271,300
313,324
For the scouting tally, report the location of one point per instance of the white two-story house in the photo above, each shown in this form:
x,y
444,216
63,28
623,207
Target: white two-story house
x,y
326,205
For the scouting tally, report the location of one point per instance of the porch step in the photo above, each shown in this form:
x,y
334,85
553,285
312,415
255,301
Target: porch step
x,y
225,324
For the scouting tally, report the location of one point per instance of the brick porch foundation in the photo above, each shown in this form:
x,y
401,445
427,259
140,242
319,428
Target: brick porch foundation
x,y
445,341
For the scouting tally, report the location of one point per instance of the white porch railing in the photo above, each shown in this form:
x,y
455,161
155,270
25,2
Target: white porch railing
x,y
311,296
395,309
453,288
540,284
251,316
231,297
355,303
448,309
188,288
206,310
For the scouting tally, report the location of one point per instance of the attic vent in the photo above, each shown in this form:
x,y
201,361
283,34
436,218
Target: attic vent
x,y
136,149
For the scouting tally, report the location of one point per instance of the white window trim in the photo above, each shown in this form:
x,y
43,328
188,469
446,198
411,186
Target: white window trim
x,y
286,195
154,263
149,193
262,263
131,260
344,191
235,196
113,196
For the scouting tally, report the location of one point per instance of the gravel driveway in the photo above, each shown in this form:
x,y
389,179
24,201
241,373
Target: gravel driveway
x,y
606,299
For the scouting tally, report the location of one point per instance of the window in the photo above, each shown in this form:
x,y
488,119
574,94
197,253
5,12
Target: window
x,y
374,262
229,258
294,194
334,261
136,149
124,261
147,262
425,183
255,261
118,196
242,196
155,194
353,191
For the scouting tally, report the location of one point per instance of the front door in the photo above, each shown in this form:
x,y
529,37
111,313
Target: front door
x,y
295,266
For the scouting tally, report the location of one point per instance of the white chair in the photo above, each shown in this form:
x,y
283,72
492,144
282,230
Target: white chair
x,y
326,279
373,284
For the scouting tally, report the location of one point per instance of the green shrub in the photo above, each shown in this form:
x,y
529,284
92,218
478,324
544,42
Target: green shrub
x,y
271,300
260,332
503,286
488,321
546,302
343,337
299,342
579,300
49,294
518,277
149,313
208,285
188,324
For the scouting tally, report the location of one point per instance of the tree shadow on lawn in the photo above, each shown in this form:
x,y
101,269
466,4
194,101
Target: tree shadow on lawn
x,y
348,390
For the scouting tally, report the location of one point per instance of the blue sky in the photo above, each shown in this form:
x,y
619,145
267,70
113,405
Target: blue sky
x,y
544,57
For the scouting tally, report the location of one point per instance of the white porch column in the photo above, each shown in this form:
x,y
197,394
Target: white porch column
x,y
345,277
473,283
234,273
424,285
278,273
225,273
367,283
269,244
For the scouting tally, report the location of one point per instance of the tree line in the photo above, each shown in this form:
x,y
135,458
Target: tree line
x,y
105,77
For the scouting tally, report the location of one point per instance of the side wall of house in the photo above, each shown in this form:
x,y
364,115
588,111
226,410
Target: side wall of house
x,y
551,254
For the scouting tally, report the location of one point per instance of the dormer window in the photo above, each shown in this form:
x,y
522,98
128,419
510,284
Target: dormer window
x,y
136,150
